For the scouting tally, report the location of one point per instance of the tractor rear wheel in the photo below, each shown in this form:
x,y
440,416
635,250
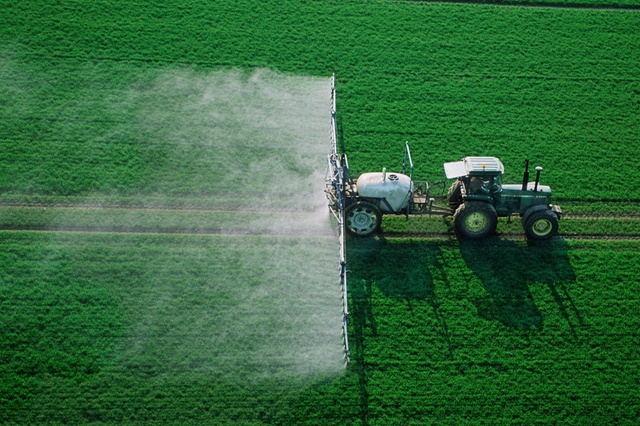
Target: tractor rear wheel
x,y
475,219
454,196
362,219
541,225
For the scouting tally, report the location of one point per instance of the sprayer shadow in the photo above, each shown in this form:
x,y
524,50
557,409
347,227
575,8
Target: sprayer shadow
x,y
401,271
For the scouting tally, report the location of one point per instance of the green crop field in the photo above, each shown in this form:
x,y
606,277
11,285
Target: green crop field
x,y
166,254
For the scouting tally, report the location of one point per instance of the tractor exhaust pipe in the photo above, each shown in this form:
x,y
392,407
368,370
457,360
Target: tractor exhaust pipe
x,y
525,178
538,170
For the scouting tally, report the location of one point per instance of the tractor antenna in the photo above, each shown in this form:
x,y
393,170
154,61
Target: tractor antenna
x,y
525,178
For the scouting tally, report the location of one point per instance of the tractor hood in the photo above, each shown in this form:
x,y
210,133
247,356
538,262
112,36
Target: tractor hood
x,y
543,189
395,188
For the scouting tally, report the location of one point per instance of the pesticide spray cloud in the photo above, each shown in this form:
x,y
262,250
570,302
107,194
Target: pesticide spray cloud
x,y
264,301
246,141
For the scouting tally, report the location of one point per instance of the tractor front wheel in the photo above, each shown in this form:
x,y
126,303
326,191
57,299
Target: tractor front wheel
x,y
362,219
475,219
541,225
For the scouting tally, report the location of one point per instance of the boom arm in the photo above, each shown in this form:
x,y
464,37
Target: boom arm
x,y
337,181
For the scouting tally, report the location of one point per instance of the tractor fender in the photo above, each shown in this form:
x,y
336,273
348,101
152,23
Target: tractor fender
x,y
532,210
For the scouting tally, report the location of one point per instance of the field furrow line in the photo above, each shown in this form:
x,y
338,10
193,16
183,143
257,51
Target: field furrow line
x,y
195,207
543,5
508,237
150,207
601,217
165,231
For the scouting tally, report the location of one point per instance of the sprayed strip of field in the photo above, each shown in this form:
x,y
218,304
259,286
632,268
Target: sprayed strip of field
x,y
159,311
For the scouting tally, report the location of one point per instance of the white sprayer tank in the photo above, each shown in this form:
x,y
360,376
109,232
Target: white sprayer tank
x,y
394,187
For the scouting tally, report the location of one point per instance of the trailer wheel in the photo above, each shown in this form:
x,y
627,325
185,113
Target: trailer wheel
x,y
362,219
541,225
454,196
475,219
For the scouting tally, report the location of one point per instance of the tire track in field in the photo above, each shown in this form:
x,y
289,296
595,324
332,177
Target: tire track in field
x,y
151,208
601,217
508,237
540,5
205,209
166,231
193,220
205,231
310,232
209,230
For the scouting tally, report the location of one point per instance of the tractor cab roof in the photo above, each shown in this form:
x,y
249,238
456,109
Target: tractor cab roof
x,y
474,166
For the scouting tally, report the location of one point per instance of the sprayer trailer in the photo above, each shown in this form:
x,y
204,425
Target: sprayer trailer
x,y
364,200
476,198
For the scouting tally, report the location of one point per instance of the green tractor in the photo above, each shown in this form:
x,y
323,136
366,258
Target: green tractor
x,y
478,197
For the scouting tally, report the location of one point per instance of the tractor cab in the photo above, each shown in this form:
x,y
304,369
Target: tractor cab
x,y
480,178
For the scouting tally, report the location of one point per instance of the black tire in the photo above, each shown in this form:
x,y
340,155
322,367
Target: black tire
x,y
362,219
454,196
531,210
541,225
475,220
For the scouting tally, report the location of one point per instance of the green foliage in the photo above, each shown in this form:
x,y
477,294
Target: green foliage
x,y
95,328
55,324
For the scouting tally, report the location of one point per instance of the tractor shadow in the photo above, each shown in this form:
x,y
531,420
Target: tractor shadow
x,y
508,269
410,270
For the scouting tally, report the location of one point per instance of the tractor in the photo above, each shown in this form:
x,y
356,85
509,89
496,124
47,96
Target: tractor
x,y
476,199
